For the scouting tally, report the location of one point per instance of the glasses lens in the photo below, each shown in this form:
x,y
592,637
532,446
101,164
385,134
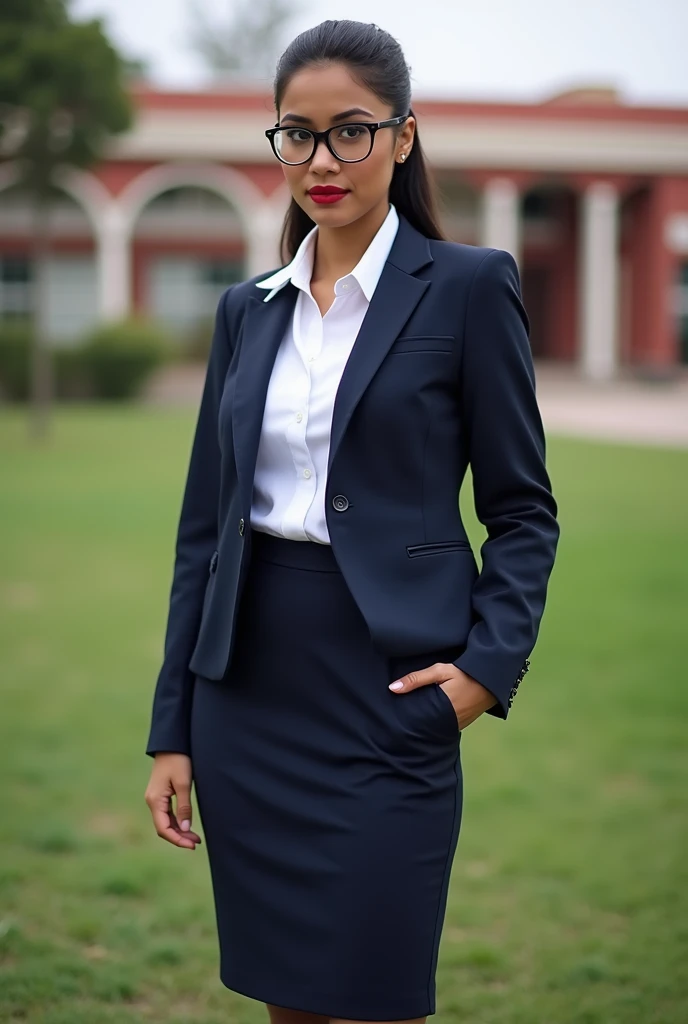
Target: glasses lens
x,y
351,141
294,145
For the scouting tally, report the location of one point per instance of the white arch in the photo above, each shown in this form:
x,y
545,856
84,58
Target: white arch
x,y
232,185
95,201
84,188
257,216
113,219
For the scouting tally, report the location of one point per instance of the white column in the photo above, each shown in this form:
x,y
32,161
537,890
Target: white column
x,y
263,229
113,238
501,221
599,276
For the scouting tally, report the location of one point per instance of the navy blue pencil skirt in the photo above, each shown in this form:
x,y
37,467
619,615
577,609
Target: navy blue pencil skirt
x,y
330,806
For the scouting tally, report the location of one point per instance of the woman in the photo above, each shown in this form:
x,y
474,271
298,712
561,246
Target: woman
x,y
329,635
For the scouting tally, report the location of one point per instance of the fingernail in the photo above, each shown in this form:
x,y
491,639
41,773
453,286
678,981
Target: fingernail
x,y
398,685
186,825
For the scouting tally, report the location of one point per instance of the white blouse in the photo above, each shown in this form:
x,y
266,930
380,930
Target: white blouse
x,y
291,469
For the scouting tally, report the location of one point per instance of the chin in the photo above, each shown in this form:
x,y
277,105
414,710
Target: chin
x,y
332,216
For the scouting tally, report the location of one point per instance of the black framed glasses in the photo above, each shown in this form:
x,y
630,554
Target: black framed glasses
x,y
349,143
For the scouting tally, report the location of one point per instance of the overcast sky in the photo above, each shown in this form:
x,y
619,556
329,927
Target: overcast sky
x,y
492,49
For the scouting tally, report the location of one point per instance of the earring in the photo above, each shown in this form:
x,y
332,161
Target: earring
x,y
402,157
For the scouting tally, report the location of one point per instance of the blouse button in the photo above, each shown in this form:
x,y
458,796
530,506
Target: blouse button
x,y
299,417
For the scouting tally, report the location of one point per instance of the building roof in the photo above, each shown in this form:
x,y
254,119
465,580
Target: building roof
x,y
586,129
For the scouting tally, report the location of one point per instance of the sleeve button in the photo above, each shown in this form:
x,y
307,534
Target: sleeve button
x,y
241,527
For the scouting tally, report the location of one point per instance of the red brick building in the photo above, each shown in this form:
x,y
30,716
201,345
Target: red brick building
x,y
590,195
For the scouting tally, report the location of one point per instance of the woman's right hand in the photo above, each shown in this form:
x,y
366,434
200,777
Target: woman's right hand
x,y
171,776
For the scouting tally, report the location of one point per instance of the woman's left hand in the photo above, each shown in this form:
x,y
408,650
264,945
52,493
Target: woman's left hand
x,y
469,697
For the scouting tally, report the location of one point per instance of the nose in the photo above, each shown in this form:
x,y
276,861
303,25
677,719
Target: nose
x,y
322,160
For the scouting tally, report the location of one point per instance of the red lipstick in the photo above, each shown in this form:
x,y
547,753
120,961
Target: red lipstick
x,y
327,193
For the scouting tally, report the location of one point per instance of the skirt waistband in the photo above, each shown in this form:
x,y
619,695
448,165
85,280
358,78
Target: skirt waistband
x,y
294,554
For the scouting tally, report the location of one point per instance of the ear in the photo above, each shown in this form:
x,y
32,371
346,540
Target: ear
x,y
405,138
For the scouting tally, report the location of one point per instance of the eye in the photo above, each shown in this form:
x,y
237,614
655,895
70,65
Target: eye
x,y
351,132
298,135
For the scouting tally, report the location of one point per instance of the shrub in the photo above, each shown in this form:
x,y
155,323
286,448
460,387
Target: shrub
x,y
15,359
114,362
72,376
119,357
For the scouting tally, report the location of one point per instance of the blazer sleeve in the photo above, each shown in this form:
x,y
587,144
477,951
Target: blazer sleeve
x,y
197,539
511,487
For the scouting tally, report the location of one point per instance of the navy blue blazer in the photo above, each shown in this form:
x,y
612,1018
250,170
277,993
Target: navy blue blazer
x,y
440,376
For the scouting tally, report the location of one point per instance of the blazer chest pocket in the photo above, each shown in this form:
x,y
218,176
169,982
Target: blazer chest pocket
x,y
424,343
440,547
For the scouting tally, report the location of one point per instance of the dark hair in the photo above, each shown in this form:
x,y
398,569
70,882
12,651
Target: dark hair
x,y
376,59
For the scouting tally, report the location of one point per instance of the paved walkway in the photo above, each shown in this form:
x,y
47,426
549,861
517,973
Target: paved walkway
x,y
627,409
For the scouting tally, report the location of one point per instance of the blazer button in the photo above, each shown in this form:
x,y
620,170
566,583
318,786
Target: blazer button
x,y
340,503
241,527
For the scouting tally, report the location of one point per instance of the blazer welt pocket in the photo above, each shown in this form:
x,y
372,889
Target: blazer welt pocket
x,y
424,343
439,547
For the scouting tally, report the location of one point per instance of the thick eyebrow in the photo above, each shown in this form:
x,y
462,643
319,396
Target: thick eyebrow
x,y
338,117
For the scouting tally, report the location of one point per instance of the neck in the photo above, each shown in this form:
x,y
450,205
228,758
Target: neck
x,y
338,250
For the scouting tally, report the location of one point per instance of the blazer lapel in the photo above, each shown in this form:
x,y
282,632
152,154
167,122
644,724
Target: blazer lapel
x,y
395,298
264,326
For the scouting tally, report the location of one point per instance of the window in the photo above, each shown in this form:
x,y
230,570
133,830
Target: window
x,y
221,273
540,205
70,294
682,312
15,287
183,290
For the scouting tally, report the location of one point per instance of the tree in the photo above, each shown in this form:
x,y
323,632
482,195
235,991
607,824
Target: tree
x,y
245,45
62,95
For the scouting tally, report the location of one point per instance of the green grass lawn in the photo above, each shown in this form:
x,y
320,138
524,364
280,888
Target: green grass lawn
x,y
569,896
